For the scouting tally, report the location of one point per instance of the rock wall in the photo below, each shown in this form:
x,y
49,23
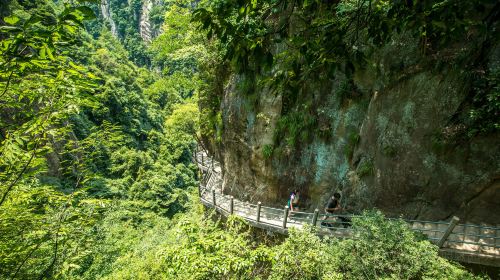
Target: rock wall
x,y
389,143
145,29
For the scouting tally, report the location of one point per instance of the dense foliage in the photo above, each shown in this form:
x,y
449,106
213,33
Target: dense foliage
x,y
96,178
85,134
196,246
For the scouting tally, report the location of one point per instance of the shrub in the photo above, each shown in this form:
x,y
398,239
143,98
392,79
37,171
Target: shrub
x,y
387,249
303,256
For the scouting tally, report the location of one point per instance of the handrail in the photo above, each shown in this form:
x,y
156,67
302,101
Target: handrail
x,y
478,226
424,222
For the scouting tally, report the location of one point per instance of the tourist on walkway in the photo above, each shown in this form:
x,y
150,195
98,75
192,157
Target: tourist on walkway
x,y
293,201
334,207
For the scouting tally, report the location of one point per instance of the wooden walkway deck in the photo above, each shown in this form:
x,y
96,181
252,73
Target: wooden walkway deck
x,y
469,243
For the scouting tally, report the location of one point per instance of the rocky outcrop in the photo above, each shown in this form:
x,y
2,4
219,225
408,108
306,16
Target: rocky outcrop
x,y
145,29
389,142
106,14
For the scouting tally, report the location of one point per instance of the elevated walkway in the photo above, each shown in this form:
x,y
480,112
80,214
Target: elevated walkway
x,y
469,243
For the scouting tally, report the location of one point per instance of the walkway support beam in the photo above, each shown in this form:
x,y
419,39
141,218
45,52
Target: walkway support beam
x,y
258,212
315,217
285,216
213,197
449,230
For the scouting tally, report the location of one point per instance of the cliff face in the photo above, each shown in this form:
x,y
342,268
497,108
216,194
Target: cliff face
x,y
388,140
106,14
144,23
141,10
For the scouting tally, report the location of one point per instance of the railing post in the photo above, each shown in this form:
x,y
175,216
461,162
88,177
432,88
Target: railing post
x,y
205,179
202,159
315,217
449,230
231,205
258,211
285,217
213,197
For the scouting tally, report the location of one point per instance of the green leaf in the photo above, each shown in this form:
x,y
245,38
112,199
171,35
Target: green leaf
x,y
19,141
87,12
42,53
254,4
12,20
49,53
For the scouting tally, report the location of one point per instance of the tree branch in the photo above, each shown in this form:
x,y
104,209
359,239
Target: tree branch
x,y
28,256
7,85
9,188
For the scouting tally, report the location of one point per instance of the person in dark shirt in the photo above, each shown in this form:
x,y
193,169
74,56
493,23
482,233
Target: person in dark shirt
x,y
333,204
334,207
